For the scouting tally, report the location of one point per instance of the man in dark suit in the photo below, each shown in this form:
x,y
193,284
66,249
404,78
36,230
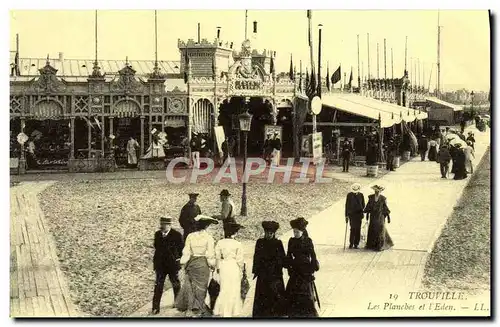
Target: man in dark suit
x,y
346,155
168,245
354,206
423,146
390,150
188,212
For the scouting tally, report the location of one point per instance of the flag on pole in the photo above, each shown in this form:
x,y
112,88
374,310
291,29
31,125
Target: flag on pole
x,y
327,77
336,76
307,80
97,122
290,72
89,123
300,77
313,87
349,85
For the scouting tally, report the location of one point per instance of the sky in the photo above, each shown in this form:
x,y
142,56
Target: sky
x,y
465,38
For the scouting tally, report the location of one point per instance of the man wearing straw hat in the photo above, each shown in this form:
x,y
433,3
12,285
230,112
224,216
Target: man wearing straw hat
x,y
354,206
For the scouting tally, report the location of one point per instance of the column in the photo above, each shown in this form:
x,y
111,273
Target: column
x,y
103,126
150,137
189,127
22,145
380,144
142,136
89,139
111,141
72,138
294,130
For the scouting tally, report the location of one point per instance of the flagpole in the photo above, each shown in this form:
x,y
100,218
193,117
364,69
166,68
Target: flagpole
x,y
368,45
359,76
319,60
385,69
392,71
385,61
300,79
423,75
406,53
418,65
378,72
246,24
327,75
311,49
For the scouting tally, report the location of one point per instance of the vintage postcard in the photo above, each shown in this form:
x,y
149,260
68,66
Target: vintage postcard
x,y
250,163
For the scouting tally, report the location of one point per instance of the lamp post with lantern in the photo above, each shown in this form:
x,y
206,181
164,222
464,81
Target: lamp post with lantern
x,y
245,122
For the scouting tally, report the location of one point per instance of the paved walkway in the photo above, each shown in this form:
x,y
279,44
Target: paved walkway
x,y
352,283
37,285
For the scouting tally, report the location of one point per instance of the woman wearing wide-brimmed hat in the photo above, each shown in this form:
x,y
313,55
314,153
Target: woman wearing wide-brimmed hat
x,y
377,211
301,263
198,258
268,263
229,255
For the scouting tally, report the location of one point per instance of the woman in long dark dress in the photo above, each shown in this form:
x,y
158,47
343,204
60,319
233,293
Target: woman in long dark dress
x,y
459,165
432,155
268,261
378,238
301,263
454,154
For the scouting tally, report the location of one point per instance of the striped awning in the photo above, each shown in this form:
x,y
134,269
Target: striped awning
x,y
126,109
175,121
47,110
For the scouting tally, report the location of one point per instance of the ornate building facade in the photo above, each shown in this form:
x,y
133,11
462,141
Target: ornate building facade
x,y
83,112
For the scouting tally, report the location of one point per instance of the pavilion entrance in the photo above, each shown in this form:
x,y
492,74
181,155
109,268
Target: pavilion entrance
x,y
51,143
261,111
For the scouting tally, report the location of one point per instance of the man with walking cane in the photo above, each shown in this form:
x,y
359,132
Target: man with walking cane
x,y
354,206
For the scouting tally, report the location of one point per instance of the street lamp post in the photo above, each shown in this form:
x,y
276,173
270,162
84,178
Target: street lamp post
x,y
245,122
472,101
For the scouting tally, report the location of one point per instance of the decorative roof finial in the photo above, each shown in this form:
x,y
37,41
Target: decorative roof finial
x,y
48,60
96,72
126,61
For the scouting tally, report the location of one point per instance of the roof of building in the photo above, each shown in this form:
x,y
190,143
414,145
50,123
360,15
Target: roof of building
x,y
74,68
388,113
444,103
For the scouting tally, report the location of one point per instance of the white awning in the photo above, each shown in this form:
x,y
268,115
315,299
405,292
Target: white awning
x,y
388,113
444,104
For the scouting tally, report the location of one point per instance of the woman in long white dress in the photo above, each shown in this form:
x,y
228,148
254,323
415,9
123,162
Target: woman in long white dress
x,y
229,256
198,258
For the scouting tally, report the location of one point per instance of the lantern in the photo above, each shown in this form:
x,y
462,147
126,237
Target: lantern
x,y
245,121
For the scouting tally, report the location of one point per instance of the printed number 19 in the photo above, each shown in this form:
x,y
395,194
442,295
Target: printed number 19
x,y
393,296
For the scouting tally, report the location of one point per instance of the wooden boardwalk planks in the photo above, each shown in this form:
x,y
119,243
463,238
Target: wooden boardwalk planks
x,y
38,287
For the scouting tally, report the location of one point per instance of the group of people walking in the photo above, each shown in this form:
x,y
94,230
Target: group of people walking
x,y
377,213
202,261
450,147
